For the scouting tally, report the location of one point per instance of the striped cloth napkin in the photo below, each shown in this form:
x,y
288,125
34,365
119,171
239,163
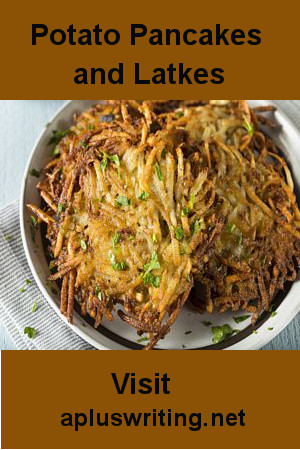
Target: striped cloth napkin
x,y
16,307
17,297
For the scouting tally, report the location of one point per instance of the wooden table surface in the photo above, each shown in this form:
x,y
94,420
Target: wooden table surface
x,y
21,123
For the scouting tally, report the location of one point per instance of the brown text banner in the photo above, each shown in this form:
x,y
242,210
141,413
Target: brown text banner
x,y
47,70
53,399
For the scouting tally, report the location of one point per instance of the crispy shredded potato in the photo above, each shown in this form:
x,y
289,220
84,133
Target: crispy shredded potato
x,y
147,200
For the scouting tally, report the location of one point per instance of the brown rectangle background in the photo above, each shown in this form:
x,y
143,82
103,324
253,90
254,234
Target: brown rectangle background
x,y
37,387
268,70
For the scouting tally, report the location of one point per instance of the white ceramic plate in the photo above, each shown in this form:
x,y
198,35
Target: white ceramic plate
x,y
188,331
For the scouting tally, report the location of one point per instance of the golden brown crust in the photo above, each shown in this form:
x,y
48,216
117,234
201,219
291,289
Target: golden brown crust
x,y
152,198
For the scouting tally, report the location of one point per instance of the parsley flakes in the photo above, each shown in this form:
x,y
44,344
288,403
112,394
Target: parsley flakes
x,y
148,276
248,126
83,244
31,332
179,234
121,200
241,318
116,239
230,227
158,171
221,333
27,282
142,339
144,195
117,265
60,208
33,221
112,158
34,173
198,225
98,294
57,136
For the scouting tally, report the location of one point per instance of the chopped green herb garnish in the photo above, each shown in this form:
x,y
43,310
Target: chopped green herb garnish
x,y
273,313
186,211
191,202
120,265
52,264
230,227
206,323
117,265
142,339
33,221
158,171
57,136
83,244
34,307
270,328
103,163
144,195
122,200
112,158
153,264
254,332
198,225
55,151
31,332
34,173
84,144
179,113
91,127
27,282
163,153
179,234
239,239
8,237
241,318
116,239
60,208
221,333
98,293
248,126
149,278
115,159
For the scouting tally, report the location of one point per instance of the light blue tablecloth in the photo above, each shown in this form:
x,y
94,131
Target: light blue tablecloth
x,y
21,122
